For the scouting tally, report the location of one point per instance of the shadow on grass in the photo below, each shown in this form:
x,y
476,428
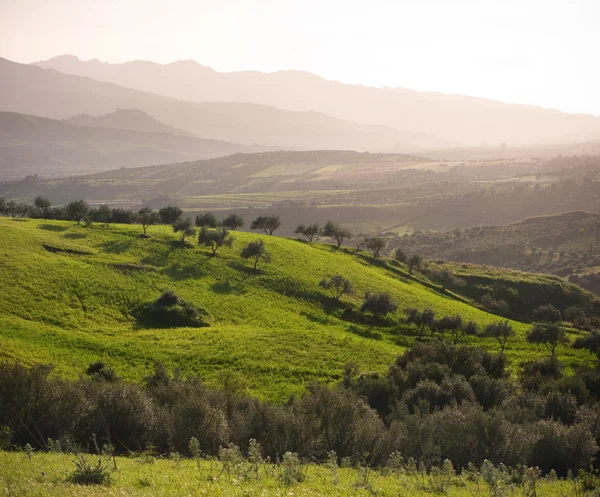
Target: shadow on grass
x,y
226,287
180,272
365,332
53,227
248,270
74,236
354,316
116,246
19,219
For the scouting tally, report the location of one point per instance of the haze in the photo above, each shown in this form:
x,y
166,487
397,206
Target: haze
x,y
533,52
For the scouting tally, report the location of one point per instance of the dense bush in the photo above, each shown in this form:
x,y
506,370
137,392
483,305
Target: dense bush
x,y
438,401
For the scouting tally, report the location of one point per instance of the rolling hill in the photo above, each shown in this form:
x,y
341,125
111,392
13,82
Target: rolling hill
x,y
455,118
48,93
72,294
131,119
36,145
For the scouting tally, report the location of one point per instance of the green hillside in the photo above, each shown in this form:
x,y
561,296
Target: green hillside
x,y
70,294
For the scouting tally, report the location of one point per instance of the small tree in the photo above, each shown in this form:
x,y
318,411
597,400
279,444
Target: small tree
x,y
590,342
422,320
266,223
337,232
309,232
400,255
577,317
43,204
375,244
501,331
546,314
215,238
233,222
184,226
337,286
77,210
414,262
207,219
378,303
147,217
450,324
102,215
445,278
550,335
256,250
170,214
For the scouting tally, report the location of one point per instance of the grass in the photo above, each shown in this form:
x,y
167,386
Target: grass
x,y
47,475
72,303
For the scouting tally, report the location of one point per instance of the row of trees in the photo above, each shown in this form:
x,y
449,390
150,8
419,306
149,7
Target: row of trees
x,y
437,401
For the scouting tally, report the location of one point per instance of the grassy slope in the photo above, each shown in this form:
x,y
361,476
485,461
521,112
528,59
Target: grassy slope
x,y
46,475
269,326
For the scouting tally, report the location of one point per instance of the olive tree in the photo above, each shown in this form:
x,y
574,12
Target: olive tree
x,y
337,232
77,210
233,221
256,250
147,217
376,244
549,335
591,342
170,214
414,262
337,286
43,204
184,226
309,232
501,331
215,238
422,320
207,219
266,223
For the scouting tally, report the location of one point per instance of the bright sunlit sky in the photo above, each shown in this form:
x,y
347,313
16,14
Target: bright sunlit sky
x,y
541,52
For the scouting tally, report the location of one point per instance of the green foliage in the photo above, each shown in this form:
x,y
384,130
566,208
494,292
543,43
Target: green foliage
x,y
268,224
309,232
215,238
169,214
502,332
86,473
550,335
337,286
256,250
378,303
77,210
207,220
233,221
183,225
546,314
337,232
147,217
376,244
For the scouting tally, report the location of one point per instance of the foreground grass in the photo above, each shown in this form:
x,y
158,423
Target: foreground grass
x,y
47,475
269,329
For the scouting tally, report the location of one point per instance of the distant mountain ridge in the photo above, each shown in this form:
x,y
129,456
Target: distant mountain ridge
x,y
36,145
131,119
49,93
455,118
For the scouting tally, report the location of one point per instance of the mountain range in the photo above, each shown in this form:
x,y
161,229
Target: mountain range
x,y
457,119
49,93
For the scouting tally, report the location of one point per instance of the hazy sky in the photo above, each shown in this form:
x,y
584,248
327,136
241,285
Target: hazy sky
x,y
542,52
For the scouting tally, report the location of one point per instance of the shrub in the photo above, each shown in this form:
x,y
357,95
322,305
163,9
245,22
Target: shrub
x,y
88,474
546,314
378,303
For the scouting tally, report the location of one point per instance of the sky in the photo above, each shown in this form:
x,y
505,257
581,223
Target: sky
x,y
538,52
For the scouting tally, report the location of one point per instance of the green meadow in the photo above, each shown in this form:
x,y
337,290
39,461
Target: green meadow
x,y
69,294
